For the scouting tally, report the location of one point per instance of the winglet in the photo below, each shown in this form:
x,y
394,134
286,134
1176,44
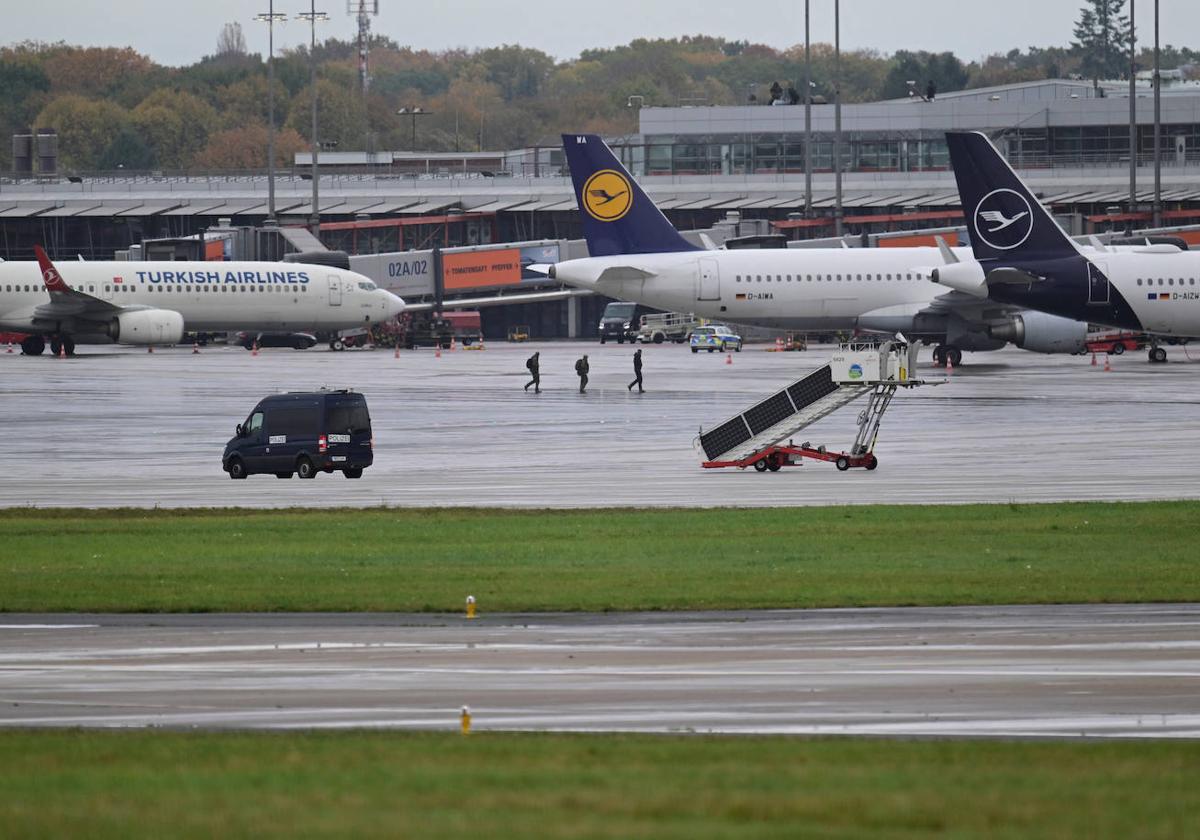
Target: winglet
x,y
948,256
50,276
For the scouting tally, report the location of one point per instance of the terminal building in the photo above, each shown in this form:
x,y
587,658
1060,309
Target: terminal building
x,y
729,170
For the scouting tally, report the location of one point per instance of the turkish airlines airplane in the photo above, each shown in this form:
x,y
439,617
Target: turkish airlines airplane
x,y
637,255
148,303
1023,258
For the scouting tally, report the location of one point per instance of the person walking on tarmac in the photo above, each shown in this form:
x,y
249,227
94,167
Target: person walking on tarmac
x,y
532,364
581,368
637,372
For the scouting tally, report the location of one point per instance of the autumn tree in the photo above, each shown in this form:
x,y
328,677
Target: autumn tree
x,y
85,128
341,116
246,148
175,124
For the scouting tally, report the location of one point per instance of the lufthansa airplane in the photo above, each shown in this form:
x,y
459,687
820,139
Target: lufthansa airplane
x,y
149,303
1023,258
636,254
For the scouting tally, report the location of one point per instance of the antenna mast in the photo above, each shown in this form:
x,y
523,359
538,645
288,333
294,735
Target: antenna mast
x,y
363,9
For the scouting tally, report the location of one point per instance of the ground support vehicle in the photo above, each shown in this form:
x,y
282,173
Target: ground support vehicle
x,y
518,334
1114,343
789,342
667,326
754,438
295,340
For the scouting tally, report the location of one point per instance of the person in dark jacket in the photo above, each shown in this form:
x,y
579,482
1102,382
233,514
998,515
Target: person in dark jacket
x,y
532,364
581,368
637,372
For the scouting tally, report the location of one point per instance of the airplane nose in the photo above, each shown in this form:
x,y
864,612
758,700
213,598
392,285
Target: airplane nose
x,y
395,305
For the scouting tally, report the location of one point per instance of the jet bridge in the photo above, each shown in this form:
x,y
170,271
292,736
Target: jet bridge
x,y
755,436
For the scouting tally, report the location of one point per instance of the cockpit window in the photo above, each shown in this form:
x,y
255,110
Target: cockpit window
x,y
367,286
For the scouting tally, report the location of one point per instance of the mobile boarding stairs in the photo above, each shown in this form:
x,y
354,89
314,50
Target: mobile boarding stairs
x,y
755,436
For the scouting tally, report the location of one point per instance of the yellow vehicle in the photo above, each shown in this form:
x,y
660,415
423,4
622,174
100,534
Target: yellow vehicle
x,y
518,333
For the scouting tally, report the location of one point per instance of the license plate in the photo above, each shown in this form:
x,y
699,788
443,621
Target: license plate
x,y
337,458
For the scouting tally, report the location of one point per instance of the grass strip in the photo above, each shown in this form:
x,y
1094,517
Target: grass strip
x,y
596,560
71,783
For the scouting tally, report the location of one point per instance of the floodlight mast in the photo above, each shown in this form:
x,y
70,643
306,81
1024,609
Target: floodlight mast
x,y
271,17
312,16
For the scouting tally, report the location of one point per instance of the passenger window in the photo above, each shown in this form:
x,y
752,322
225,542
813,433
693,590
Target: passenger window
x,y
256,421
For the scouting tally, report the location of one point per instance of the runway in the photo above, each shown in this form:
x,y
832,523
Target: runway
x,y
1103,671
120,427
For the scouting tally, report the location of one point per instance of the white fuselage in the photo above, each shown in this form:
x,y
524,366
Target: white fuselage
x,y
211,296
802,289
1172,279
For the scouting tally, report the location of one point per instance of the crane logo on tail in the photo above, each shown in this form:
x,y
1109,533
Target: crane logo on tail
x,y
607,195
1003,219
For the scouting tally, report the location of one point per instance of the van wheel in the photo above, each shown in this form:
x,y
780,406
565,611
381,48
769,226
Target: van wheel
x,y
337,344
305,468
237,468
283,475
353,472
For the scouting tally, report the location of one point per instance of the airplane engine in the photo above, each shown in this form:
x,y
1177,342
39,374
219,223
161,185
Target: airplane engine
x,y
1042,333
147,326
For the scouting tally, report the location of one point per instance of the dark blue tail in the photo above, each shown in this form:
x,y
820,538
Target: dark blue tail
x,y
618,218
1005,220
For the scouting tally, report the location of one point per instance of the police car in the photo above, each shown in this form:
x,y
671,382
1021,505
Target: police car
x,y
715,338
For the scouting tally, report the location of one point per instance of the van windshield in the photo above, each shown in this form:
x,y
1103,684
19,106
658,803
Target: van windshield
x,y
351,415
623,311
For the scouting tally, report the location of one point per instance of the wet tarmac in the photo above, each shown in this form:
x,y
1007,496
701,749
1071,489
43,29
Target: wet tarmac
x,y
1041,671
121,427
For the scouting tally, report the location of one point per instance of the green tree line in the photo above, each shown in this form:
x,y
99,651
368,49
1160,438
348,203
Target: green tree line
x,y
114,107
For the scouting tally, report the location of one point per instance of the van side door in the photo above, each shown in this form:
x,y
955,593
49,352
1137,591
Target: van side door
x,y
254,445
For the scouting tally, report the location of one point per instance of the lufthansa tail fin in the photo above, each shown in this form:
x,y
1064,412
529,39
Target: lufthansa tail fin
x,y
618,218
1005,220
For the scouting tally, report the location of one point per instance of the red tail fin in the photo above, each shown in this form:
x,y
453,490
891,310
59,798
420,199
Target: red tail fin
x,y
50,275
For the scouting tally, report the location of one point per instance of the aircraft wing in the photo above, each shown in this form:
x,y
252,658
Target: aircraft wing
x,y
969,308
498,300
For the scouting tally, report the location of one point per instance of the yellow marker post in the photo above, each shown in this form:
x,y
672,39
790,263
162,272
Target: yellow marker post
x,y
465,720
470,606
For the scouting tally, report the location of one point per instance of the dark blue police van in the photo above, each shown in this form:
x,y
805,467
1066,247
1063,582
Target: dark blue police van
x,y
303,434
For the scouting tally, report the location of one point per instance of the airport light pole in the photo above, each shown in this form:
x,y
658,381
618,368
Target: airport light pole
x,y
807,120
1157,209
1132,112
271,17
837,117
415,111
312,16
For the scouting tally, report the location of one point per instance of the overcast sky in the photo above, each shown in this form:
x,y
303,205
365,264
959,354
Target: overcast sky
x,y
178,32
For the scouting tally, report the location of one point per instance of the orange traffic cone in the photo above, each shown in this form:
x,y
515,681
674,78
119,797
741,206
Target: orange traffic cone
x,y
1107,364
195,348
451,344
949,365
396,355
254,349
10,347
62,350
728,358
1093,358
437,351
